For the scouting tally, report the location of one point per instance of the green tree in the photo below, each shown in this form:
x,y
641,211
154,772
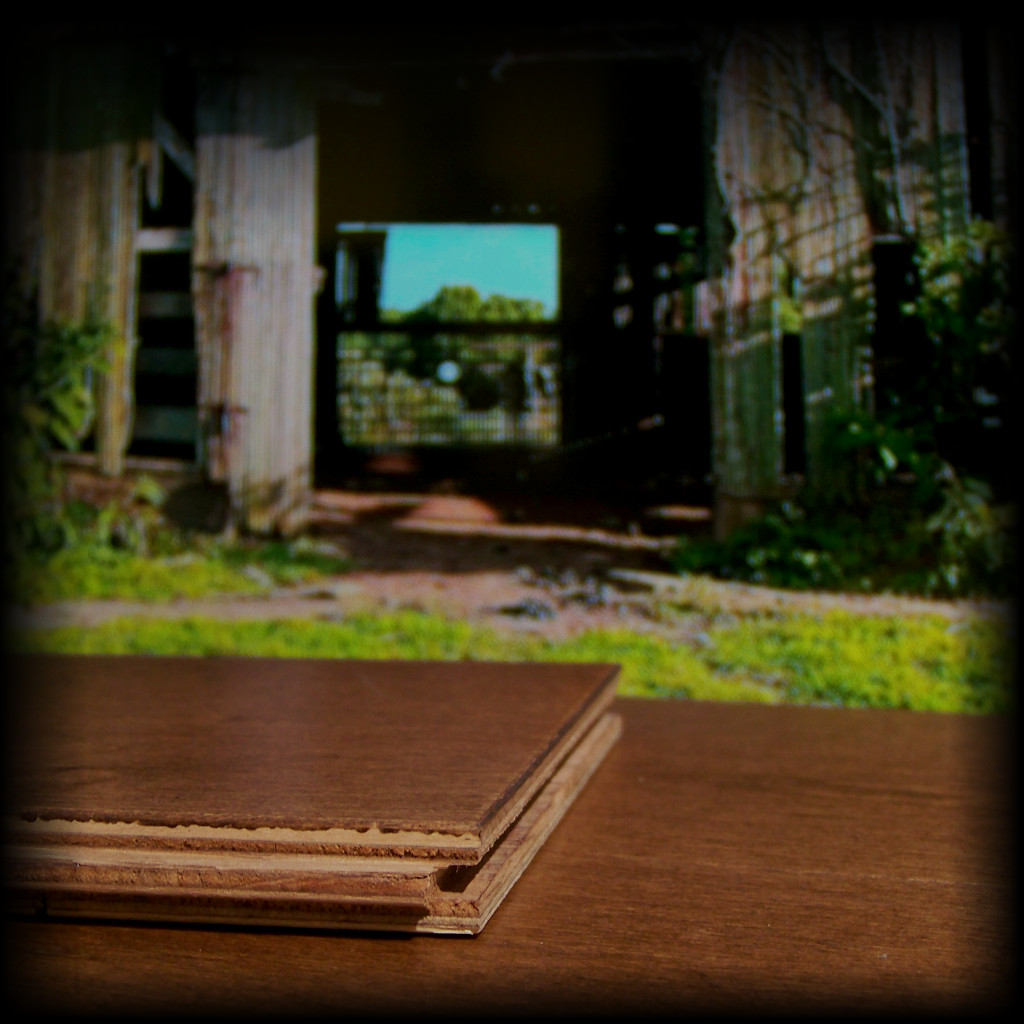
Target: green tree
x,y
453,303
422,354
462,303
503,307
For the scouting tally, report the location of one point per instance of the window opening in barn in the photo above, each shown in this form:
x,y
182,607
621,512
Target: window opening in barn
x,y
166,422
449,334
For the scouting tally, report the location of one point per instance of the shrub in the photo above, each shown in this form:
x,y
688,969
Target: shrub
x,y
907,501
48,405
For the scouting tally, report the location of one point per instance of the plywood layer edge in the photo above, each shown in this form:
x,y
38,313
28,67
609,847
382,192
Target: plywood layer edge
x,y
208,885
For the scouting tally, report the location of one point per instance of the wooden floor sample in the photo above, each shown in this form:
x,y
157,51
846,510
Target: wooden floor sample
x,y
299,890
316,793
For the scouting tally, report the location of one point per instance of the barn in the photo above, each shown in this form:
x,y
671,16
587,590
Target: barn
x,y
731,211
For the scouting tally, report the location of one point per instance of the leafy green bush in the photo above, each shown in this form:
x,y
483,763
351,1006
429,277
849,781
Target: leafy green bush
x,y
951,536
47,405
959,547
932,435
780,549
907,502
965,307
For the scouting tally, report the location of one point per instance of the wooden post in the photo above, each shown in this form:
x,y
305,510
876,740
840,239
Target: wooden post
x,y
254,285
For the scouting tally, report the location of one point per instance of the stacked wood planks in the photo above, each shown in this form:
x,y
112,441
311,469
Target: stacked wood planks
x,y
404,796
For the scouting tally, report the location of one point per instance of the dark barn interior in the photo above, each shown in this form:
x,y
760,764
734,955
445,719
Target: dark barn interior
x,y
599,137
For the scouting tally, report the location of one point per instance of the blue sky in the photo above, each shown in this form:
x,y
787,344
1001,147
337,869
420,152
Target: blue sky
x,y
519,260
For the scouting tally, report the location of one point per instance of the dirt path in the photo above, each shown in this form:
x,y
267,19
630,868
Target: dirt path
x,y
553,572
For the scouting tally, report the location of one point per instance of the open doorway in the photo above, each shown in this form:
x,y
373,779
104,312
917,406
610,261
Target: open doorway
x,y
593,146
449,335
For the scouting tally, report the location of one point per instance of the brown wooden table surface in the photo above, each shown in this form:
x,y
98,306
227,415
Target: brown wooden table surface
x,y
723,857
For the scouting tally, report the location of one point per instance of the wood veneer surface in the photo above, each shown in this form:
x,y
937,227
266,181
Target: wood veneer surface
x,y
726,857
361,756
212,885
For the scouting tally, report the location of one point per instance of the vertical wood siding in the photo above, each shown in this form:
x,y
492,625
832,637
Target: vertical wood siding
x,y
253,289
82,117
1002,96
824,140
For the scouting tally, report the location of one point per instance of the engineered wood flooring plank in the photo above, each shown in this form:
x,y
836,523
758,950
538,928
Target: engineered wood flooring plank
x,y
299,890
467,897
384,795
360,758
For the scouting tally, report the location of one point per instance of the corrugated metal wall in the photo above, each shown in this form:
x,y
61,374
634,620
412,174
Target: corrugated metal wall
x,y
83,117
823,141
254,283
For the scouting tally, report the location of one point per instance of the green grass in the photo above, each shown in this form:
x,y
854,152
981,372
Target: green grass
x,y
924,664
80,574
95,571
921,663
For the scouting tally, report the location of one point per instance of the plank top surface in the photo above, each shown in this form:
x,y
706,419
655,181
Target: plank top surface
x,y
431,752
725,857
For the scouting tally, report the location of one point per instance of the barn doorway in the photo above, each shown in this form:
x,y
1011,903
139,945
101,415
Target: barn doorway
x,y
588,136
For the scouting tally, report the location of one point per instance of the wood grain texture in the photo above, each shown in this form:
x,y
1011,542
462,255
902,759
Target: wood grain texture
x,y
724,858
208,885
254,286
284,755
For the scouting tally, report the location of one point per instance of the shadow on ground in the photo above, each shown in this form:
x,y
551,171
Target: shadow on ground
x,y
456,533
